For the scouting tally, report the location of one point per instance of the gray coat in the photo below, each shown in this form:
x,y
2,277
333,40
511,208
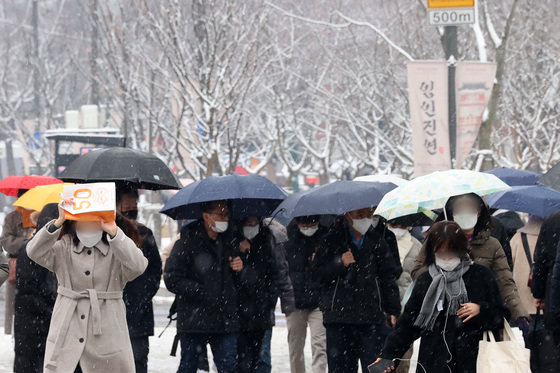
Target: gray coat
x,y
88,324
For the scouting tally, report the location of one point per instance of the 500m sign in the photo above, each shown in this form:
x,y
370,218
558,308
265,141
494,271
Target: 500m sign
x,y
451,12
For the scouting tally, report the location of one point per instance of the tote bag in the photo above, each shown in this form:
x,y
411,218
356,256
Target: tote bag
x,y
506,356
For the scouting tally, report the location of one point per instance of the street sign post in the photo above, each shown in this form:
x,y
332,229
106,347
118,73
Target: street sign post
x,y
451,12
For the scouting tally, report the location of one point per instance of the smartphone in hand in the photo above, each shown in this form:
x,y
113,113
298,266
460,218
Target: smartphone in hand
x,y
381,367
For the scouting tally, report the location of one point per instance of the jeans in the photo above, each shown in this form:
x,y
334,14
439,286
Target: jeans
x,y
265,361
348,344
140,350
249,350
224,349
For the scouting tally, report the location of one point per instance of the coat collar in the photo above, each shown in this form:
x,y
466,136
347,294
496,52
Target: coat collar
x,y
101,246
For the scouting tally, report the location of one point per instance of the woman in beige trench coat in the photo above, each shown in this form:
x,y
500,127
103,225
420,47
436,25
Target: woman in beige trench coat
x,y
88,324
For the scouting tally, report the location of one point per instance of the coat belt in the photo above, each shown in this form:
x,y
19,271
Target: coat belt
x,y
93,296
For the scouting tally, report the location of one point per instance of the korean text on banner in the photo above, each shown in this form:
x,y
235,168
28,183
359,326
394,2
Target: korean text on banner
x,y
427,94
90,201
474,82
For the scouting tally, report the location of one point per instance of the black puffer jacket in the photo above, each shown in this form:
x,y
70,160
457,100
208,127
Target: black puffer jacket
x,y
299,253
392,245
258,286
198,272
361,293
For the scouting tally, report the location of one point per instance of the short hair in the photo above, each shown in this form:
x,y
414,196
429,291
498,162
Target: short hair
x,y
209,207
446,233
310,219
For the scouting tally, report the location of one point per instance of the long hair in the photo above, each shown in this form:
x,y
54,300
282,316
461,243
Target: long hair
x,y
128,227
445,233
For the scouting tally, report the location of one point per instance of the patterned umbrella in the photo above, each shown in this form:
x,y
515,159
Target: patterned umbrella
x,y
430,192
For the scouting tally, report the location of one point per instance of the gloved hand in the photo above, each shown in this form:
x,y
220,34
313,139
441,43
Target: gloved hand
x,y
524,325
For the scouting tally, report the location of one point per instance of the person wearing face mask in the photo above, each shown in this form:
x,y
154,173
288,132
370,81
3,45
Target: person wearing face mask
x,y
450,307
92,260
471,214
203,271
305,236
258,290
138,294
358,289
409,248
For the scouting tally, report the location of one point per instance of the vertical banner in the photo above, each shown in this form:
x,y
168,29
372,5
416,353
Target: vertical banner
x,y
473,82
427,96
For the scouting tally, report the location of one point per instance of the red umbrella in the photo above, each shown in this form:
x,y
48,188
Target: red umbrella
x,y
12,184
240,170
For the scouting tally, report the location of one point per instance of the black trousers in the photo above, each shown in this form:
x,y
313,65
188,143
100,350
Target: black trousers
x,y
347,344
140,350
249,350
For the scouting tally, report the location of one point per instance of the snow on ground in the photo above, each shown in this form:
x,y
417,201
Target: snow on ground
x,y
159,359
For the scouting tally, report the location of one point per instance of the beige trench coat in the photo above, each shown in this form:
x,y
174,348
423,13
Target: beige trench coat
x,y
88,324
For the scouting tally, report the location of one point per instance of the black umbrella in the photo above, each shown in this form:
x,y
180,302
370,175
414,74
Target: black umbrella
x,y
128,167
552,178
414,220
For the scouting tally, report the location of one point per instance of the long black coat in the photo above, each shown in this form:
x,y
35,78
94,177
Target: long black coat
x,y
545,254
198,272
361,293
462,338
34,302
138,294
299,252
258,283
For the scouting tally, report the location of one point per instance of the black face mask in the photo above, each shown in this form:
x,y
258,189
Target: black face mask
x,y
130,214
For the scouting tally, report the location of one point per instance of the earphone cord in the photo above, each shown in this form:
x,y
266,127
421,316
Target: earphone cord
x,y
446,319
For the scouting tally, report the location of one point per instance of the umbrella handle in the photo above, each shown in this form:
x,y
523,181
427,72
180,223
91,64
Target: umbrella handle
x,y
274,216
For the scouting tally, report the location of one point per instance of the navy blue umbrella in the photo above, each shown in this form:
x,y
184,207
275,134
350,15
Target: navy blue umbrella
x,y
533,199
514,177
334,199
250,195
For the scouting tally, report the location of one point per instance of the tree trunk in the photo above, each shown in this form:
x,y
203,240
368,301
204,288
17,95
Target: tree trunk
x,y
487,127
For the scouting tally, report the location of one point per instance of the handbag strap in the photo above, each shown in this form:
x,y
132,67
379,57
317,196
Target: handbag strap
x,y
488,335
508,332
527,249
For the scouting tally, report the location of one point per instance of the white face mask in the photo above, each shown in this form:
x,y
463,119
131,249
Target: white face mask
x,y
362,225
309,231
466,220
398,232
448,265
250,231
220,226
375,221
89,238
